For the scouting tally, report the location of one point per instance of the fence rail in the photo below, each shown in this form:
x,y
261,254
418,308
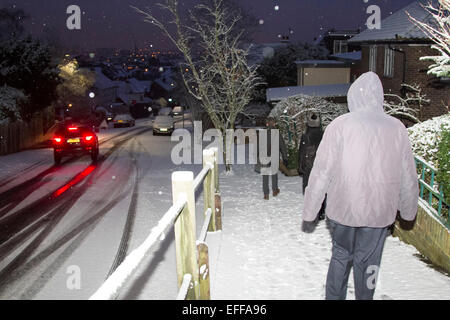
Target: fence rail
x,y
192,257
431,192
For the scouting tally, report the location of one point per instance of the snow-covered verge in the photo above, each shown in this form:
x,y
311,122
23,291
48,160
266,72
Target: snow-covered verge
x,y
425,137
263,254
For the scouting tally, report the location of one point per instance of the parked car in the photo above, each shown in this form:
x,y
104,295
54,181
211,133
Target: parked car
x,y
177,111
109,117
74,139
163,125
123,120
165,112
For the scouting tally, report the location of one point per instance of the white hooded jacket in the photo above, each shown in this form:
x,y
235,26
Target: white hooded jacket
x,y
364,164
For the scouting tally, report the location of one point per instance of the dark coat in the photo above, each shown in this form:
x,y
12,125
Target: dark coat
x,y
282,145
312,137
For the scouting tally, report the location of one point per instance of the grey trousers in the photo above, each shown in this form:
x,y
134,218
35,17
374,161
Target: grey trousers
x,y
360,248
266,183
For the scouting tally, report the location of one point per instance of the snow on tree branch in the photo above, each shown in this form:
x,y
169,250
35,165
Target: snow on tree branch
x,y
438,30
410,107
291,113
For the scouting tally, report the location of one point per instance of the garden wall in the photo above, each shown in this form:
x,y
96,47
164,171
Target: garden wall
x,y
430,237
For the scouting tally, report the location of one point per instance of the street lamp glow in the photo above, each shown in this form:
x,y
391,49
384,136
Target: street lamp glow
x,y
91,95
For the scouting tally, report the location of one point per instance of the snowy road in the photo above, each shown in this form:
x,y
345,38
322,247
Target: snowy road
x,y
82,218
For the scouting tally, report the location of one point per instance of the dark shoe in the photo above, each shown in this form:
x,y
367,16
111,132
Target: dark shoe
x,y
266,197
276,192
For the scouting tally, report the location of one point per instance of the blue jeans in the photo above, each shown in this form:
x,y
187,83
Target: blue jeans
x,y
357,247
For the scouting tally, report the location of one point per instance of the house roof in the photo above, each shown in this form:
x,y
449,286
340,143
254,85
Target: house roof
x,y
321,63
102,81
324,91
398,26
349,56
136,85
335,33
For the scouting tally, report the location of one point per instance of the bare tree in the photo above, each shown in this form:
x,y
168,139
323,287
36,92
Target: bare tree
x,y
220,77
438,30
409,107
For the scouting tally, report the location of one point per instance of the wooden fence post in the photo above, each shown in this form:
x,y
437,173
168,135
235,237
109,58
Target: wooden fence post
x,y
217,211
203,262
185,232
209,187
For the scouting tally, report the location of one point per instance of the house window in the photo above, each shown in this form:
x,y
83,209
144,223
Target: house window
x,y
388,62
340,46
373,59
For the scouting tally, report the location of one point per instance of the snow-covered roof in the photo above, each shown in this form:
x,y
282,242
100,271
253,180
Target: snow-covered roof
x,y
102,81
129,98
324,91
147,84
353,56
168,85
136,86
398,26
320,63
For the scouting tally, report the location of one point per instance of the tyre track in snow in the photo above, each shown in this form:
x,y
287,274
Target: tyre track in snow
x,y
10,198
19,269
76,235
7,180
19,220
132,209
126,234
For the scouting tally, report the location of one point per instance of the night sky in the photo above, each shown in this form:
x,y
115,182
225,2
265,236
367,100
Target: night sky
x,y
113,24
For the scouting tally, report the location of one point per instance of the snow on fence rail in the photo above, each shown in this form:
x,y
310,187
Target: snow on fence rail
x,y
191,254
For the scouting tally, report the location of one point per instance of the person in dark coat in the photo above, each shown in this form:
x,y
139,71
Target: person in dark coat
x,y
274,174
309,144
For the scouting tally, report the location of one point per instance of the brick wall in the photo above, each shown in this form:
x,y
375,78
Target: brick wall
x,y
416,73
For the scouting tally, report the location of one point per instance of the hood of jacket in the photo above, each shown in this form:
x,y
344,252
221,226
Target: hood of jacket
x,y
366,94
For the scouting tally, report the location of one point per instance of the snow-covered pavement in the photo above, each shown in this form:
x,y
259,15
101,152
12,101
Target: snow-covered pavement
x,y
263,254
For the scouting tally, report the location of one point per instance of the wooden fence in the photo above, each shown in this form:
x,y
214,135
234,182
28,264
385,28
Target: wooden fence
x,y
191,251
18,136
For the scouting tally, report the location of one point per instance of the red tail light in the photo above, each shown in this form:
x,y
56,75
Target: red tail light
x,y
57,139
72,128
89,138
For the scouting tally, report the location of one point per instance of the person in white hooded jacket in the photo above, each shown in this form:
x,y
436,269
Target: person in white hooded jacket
x,y
366,168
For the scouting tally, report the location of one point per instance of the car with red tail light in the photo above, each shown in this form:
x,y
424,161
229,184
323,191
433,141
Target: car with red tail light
x,y
74,140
